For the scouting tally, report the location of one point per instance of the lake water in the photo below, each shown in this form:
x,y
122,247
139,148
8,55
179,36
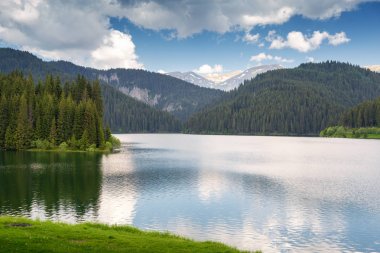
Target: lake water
x,y
277,194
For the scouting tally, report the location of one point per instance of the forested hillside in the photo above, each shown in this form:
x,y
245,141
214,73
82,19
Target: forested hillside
x,y
361,121
366,114
300,101
48,114
127,115
162,92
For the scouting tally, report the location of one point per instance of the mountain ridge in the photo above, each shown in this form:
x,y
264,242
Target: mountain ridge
x,y
299,101
230,83
122,113
162,92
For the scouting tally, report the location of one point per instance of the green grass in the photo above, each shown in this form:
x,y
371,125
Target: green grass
x,y
25,235
357,133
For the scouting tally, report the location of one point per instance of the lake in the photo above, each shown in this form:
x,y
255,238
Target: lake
x,y
277,194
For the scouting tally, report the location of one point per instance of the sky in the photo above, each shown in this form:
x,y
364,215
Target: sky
x,y
214,36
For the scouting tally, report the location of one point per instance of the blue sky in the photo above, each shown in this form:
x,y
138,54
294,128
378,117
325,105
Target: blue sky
x,y
184,35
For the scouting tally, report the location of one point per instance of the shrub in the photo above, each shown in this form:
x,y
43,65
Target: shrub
x,y
63,146
42,144
115,142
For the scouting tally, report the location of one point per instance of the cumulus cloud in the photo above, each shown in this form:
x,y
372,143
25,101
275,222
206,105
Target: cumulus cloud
x,y
251,38
310,59
207,69
80,31
338,38
68,30
267,57
190,17
117,49
304,43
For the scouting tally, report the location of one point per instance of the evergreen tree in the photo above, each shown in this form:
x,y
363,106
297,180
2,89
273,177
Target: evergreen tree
x,y
47,113
53,133
9,139
3,120
22,135
84,141
107,133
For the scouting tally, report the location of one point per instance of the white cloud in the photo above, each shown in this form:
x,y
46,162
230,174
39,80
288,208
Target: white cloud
x,y
117,49
67,30
207,69
303,43
338,38
161,71
267,57
190,17
251,38
80,30
310,59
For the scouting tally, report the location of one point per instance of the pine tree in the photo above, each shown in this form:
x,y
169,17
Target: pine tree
x,y
84,142
61,124
48,113
22,134
99,133
107,133
3,120
9,139
53,134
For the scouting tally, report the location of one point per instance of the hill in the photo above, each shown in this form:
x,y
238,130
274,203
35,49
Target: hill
x,y
299,101
162,92
121,112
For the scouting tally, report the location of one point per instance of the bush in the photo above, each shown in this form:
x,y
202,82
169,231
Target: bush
x,y
115,142
91,148
73,143
108,146
63,146
42,144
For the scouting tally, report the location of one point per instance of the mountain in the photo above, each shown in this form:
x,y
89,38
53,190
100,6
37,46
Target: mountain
x,y
126,115
247,74
375,68
163,92
299,101
193,78
121,112
225,81
221,77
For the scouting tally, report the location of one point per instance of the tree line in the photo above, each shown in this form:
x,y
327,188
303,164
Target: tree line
x,y
361,121
366,114
299,101
50,114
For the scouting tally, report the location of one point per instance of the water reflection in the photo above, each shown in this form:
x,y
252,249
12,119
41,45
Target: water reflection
x,y
274,194
49,185
119,193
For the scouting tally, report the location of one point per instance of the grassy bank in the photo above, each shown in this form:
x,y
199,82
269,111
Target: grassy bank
x,y
358,133
24,235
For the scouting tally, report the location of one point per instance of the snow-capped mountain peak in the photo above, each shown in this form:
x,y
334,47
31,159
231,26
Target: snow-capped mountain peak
x,y
192,77
223,81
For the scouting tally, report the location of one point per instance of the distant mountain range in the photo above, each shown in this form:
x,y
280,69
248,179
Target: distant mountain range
x,y
227,81
193,78
162,92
